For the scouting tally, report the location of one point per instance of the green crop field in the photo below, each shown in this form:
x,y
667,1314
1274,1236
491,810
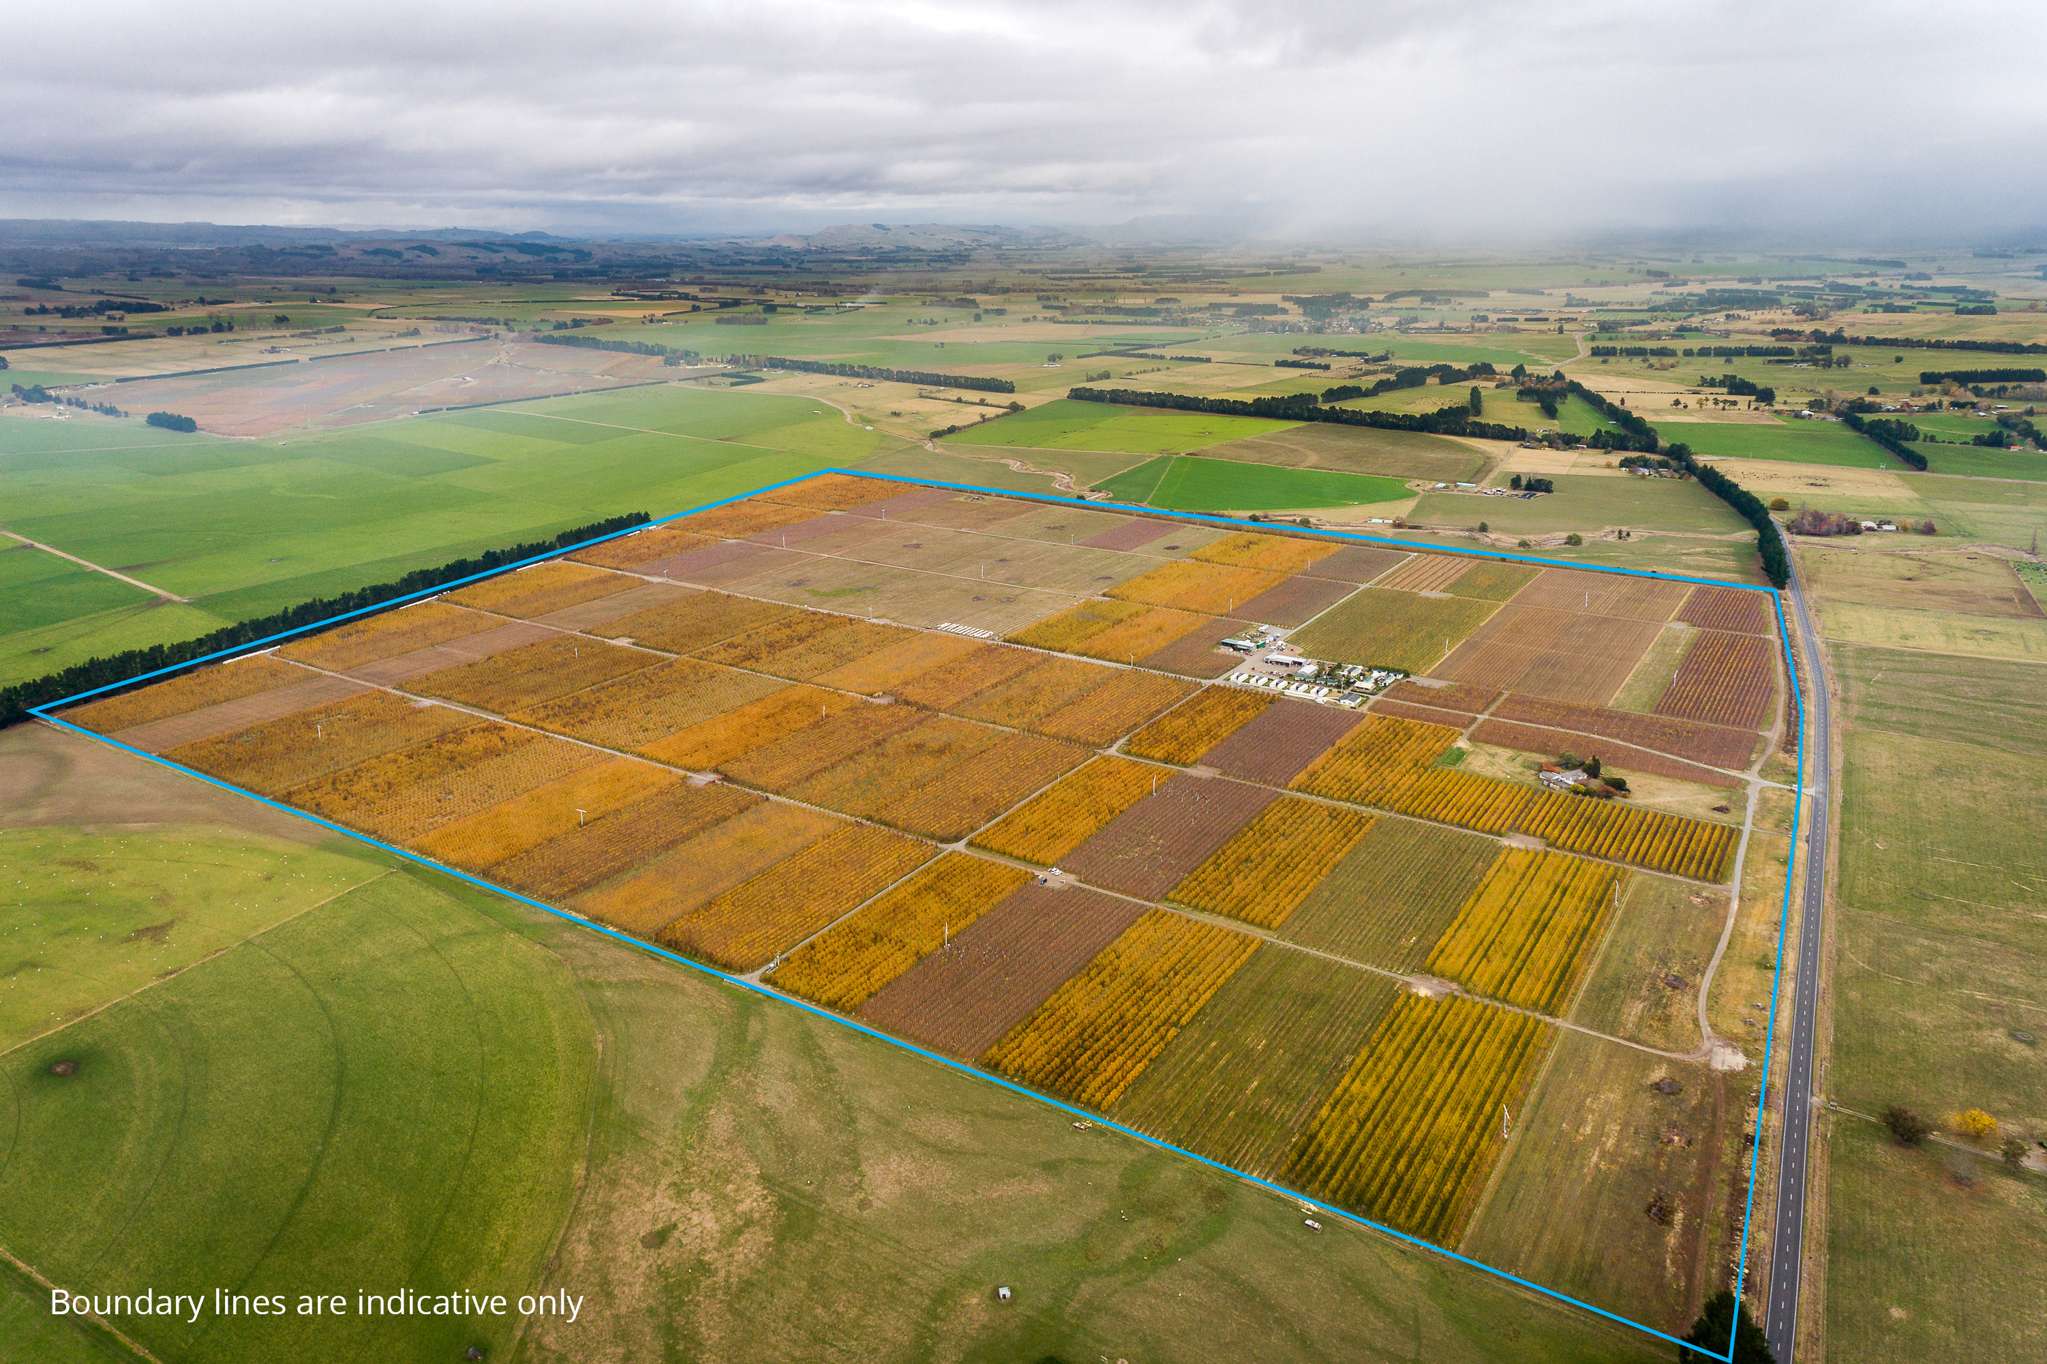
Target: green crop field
x,y
457,1092
1069,425
1359,450
242,528
1389,900
1982,461
1245,1077
1587,502
1191,483
1392,629
1798,440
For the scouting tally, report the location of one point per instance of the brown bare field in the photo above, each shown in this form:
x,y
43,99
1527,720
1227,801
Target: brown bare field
x,y
1000,968
711,861
1186,732
652,703
643,547
275,756
1294,602
1275,745
189,691
1275,553
1358,563
882,672
1193,585
533,673
595,617
228,717
1150,848
488,837
711,743
839,735
802,645
1604,594
1268,867
1618,758
614,843
1427,573
696,620
402,794
1134,533
386,634
1194,655
843,968
757,921
1096,1033
1564,655
539,588
1056,821
719,562
1729,608
398,669
1717,745
1724,679
1443,695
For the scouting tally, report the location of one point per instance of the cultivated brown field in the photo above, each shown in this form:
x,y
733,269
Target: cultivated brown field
x,y
1149,848
1716,745
1619,758
1729,608
1273,747
1724,679
999,968
1426,573
1563,655
386,634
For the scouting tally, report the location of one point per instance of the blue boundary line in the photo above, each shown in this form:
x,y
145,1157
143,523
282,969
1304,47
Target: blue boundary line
x,y
43,713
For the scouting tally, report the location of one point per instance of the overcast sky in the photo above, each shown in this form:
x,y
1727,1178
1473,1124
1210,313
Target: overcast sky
x,y
1356,120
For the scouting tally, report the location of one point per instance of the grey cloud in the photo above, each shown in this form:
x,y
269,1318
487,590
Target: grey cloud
x,y
1476,122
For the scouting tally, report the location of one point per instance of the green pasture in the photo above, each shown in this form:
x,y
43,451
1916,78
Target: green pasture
x,y
1587,502
243,528
1191,483
1798,440
1066,424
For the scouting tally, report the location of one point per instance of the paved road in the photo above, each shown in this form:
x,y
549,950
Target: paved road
x,y
1787,1242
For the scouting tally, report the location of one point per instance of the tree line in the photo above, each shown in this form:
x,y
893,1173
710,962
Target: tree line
x,y
928,378
1453,420
1411,376
1740,387
131,663
1840,338
1983,376
1888,432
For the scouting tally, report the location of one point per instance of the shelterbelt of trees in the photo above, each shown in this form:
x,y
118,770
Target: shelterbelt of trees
x,y
131,663
1840,338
